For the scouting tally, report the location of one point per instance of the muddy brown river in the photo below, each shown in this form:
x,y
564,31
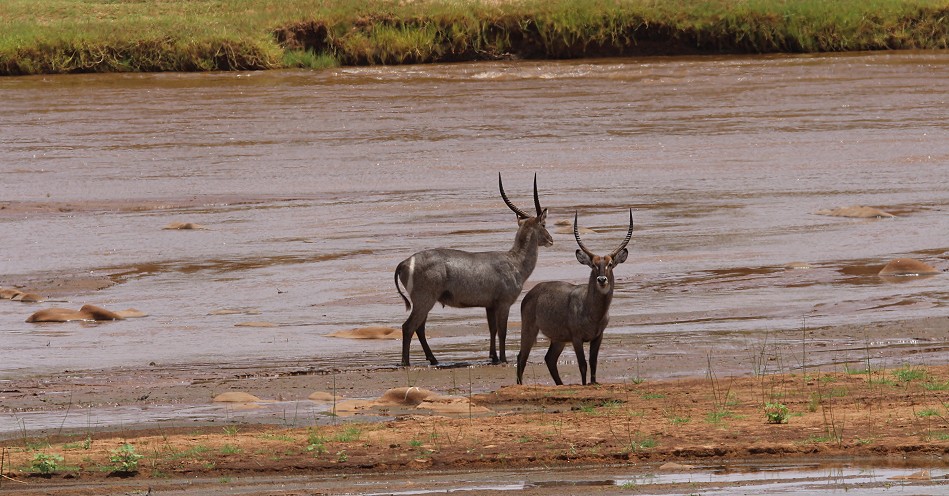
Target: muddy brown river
x,y
312,186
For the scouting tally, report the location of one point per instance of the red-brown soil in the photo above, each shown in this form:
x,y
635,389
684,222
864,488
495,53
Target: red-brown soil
x,y
897,414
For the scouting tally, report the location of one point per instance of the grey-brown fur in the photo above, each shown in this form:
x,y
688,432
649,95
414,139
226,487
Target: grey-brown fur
x,y
492,280
571,313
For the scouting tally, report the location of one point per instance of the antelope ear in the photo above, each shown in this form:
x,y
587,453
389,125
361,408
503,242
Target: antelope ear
x,y
543,216
620,257
584,258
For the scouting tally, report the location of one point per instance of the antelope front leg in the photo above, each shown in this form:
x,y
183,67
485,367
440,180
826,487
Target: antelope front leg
x,y
553,353
502,315
493,328
581,360
594,351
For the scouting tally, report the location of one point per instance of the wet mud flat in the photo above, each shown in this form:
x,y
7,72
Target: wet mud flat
x,y
844,429
178,395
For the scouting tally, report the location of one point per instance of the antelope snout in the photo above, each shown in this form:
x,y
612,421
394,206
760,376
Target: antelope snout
x,y
601,280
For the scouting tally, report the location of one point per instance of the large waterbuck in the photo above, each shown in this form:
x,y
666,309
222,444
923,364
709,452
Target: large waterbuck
x,y
571,313
492,280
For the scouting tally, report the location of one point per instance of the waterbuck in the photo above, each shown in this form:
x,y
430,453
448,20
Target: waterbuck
x,y
572,313
492,280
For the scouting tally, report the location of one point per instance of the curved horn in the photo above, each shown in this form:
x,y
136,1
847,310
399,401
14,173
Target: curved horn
x,y
629,235
520,213
576,234
536,200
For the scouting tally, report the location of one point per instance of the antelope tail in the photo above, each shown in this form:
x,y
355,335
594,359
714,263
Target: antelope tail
x,y
398,270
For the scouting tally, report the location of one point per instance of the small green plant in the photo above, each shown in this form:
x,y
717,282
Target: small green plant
x,y
718,416
641,442
350,434
936,386
84,444
231,430
678,420
45,464
415,443
927,412
315,442
37,445
826,438
652,396
270,436
125,459
341,456
776,413
909,374
229,449
815,401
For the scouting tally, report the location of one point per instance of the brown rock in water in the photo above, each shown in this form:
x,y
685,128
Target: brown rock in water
x,y
58,315
907,267
798,266
99,313
9,294
28,298
255,323
131,313
323,396
411,396
921,475
87,313
235,397
857,212
183,226
372,332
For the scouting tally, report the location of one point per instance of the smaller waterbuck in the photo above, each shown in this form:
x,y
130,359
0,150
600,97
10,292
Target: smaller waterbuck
x,y
572,313
492,280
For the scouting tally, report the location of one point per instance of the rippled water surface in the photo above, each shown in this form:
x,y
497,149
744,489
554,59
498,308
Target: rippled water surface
x,y
312,186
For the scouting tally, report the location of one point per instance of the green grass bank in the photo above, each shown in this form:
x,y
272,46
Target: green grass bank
x,y
70,36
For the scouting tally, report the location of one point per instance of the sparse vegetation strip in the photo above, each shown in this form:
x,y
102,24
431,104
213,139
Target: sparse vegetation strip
x,y
685,420
71,36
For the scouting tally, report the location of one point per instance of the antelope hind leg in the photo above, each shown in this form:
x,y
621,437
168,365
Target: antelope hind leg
x,y
425,348
416,323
